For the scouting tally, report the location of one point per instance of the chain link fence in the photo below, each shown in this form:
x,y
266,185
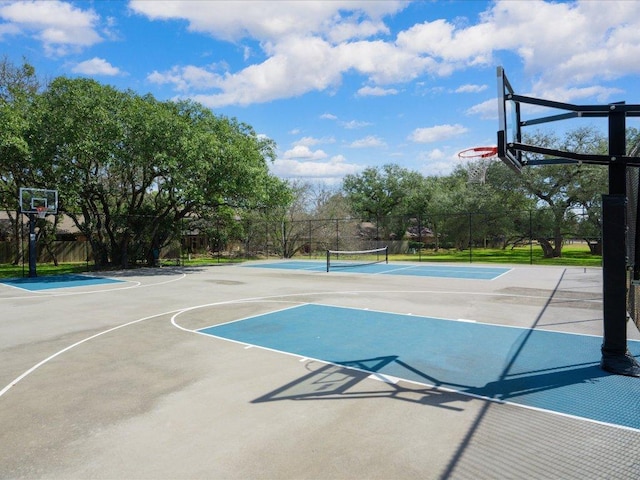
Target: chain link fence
x,y
418,236
633,239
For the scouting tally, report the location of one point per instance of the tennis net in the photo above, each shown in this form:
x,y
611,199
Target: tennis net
x,y
356,258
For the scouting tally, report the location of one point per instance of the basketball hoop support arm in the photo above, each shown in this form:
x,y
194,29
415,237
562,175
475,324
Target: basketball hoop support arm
x,y
610,111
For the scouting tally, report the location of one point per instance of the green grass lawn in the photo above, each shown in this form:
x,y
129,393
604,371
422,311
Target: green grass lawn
x,y
12,271
572,255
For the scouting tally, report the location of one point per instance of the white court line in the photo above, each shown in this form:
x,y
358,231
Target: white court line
x,y
395,270
60,352
504,273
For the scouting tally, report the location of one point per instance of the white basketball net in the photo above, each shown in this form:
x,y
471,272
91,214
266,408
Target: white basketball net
x,y
477,170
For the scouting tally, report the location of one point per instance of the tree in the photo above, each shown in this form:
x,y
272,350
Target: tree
x,y
18,88
262,223
383,195
561,188
130,168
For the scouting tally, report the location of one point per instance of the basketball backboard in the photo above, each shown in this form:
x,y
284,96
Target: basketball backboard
x,y
33,200
509,124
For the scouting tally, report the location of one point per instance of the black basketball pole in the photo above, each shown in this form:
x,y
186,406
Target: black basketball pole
x,y
615,357
32,245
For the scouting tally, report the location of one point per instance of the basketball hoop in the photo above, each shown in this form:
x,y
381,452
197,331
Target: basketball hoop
x,y
479,152
478,162
41,212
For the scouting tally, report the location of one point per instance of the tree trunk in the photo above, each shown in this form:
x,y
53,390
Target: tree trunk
x,y
557,246
547,248
16,225
595,247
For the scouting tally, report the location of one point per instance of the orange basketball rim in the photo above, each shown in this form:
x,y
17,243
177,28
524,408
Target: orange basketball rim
x,y
478,152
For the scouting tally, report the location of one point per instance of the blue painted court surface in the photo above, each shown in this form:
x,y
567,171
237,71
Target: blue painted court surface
x,y
57,281
431,270
553,371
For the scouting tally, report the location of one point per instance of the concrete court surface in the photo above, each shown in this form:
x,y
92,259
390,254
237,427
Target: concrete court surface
x,y
112,382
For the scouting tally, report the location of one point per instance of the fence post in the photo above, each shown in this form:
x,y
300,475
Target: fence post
x,y
419,239
470,238
310,247
530,237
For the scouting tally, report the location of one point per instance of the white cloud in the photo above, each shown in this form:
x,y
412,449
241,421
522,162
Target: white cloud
x,y
382,62
368,142
96,66
352,29
487,110
376,92
437,162
7,29
304,152
271,21
61,27
577,94
330,171
311,141
437,133
441,41
309,46
469,88
305,44
436,154
354,124
298,67
187,79
348,124
597,39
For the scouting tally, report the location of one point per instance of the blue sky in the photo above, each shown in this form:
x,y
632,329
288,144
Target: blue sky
x,y
341,85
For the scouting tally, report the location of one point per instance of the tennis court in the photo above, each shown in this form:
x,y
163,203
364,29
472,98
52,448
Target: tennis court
x,y
418,270
277,370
